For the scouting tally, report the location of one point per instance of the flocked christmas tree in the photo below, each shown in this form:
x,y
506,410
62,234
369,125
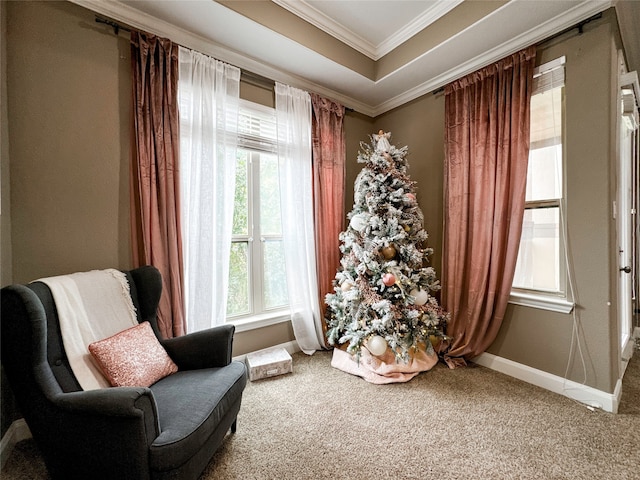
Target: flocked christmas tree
x,y
383,290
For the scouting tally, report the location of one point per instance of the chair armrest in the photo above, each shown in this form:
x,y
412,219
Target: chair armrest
x,y
127,404
205,349
114,401
105,433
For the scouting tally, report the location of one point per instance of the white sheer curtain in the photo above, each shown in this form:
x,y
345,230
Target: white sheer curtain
x,y
208,96
293,114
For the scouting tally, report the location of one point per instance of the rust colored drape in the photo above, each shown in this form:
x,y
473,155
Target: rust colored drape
x,y
328,156
487,149
155,212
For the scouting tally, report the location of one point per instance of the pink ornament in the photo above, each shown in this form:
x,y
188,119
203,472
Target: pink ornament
x,y
411,197
388,279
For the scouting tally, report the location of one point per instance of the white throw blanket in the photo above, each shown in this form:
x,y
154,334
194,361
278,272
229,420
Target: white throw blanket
x,y
91,306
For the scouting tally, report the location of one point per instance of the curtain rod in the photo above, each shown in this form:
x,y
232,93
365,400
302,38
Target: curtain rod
x,y
116,26
249,77
246,75
259,79
579,26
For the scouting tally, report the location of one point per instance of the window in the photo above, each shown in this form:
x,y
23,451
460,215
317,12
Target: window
x,y
257,281
540,268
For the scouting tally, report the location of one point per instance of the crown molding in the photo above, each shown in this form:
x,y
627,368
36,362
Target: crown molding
x,y
318,19
434,13
134,18
342,76
315,17
535,35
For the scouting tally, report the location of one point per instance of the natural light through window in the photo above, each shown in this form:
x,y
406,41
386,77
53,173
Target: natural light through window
x,y
541,263
257,282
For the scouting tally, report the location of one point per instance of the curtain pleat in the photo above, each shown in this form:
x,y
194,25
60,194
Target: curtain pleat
x,y
293,116
328,153
487,148
209,103
155,192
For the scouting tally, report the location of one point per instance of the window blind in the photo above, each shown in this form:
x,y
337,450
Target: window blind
x,y
257,129
549,75
546,116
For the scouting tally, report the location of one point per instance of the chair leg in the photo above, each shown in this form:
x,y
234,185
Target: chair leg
x,y
234,426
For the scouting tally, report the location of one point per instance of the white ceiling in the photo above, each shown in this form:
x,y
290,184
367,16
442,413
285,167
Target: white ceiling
x,y
372,27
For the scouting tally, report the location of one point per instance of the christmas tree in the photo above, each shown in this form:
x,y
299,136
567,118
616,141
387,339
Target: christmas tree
x,y
382,298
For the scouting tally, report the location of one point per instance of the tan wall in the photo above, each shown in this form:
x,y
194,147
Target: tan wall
x,y
69,116
534,337
68,108
68,112
420,126
542,339
6,271
66,131
358,128
457,20
280,20
9,411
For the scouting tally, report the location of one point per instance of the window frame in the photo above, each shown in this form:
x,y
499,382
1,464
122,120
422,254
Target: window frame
x,y
258,316
552,300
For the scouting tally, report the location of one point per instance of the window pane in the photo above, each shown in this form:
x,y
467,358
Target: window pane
x,y
538,264
544,174
275,281
269,196
238,297
540,258
546,118
241,202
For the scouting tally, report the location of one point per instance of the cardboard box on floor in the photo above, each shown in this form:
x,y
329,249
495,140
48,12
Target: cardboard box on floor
x,y
268,363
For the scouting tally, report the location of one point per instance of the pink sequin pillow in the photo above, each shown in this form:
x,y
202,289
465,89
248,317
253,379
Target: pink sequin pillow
x,y
133,357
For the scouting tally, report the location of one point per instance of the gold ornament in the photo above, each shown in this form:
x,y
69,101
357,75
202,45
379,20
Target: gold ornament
x,y
406,228
347,285
389,252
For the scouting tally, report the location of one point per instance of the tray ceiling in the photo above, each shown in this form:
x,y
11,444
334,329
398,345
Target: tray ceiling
x,y
371,55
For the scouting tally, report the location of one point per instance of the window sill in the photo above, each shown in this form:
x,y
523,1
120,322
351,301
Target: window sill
x,y
259,321
541,301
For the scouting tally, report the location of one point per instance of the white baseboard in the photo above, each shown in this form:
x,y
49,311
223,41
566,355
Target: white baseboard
x,y
608,402
582,393
17,431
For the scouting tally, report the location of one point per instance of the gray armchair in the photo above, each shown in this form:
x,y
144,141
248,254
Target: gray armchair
x,y
169,430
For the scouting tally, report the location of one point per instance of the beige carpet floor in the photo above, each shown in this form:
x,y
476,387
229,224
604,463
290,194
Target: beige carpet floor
x,y
471,423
